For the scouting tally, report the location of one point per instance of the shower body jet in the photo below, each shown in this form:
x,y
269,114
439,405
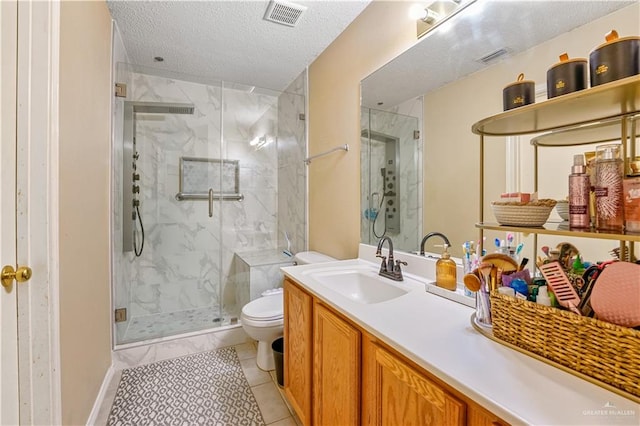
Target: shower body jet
x,y
131,174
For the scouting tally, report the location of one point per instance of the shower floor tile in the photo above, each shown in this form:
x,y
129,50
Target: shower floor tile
x,y
172,323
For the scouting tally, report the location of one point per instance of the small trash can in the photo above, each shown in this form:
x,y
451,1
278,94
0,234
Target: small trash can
x,y
278,358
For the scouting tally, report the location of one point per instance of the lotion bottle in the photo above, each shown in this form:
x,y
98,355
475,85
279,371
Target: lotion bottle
x,y
446,271
579,190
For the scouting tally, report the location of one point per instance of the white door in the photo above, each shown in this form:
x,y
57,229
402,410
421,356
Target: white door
x,y
8,310
29,367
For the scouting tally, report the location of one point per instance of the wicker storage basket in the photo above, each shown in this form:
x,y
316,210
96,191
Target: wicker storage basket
x,y
522,214
598,349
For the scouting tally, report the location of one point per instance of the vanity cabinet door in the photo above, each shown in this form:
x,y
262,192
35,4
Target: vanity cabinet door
x,y
394,393
478,416
336,369
298,350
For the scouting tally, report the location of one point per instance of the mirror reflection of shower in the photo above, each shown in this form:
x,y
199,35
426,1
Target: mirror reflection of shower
x,y
391,174
133,230
385,195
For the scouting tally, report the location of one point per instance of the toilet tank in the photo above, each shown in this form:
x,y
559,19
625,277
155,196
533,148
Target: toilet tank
x,y
308,257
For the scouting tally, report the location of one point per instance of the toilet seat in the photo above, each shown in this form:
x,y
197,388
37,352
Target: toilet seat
x,y
267,308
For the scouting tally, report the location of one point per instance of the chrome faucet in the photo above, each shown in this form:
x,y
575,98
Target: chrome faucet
x,y
433,234
388,268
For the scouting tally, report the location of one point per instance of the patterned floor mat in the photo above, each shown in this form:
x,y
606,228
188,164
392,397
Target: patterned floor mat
x,y
208,388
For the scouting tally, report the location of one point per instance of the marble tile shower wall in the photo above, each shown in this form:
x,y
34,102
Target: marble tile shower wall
x,y
399,122
185,250
291,167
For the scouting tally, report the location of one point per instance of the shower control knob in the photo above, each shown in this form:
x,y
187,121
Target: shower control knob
x,y
136,203
390,202
136,189
136,176
390,186
136,155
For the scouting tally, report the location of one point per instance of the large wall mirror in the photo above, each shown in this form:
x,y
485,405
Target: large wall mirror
x,y
456,73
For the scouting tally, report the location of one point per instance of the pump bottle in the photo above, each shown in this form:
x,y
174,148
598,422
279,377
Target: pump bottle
x,y
446,271
579,189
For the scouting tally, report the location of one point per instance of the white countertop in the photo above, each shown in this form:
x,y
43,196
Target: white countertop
x,y
437,334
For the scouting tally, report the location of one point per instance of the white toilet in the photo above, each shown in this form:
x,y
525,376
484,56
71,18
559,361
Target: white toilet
x,y
263,318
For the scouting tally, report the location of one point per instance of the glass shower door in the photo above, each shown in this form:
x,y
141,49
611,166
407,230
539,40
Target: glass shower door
x,y
249,226
167,233
196,170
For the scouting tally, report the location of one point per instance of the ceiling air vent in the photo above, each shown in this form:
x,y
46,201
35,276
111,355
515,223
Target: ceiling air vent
x,y
493,56
283,12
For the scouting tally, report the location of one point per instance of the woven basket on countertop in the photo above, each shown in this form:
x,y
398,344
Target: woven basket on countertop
x,y
607,352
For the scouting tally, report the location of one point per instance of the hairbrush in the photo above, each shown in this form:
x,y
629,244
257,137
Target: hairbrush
x,y
559,283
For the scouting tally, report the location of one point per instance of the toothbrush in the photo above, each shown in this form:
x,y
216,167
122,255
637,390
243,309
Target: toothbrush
x,y
519,248
509,239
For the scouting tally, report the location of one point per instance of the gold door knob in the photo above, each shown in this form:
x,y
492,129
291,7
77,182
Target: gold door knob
x,y
21,275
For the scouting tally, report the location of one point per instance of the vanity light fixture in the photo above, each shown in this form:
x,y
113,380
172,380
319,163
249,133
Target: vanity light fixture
x,y
419,10
429,16
432,14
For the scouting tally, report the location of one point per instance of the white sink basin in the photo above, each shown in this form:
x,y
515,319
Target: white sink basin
x,y
363,286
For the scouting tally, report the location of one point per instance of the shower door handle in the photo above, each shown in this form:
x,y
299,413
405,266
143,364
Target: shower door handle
x,y
210,202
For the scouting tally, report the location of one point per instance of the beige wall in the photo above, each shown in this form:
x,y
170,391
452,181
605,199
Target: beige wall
x,y
85,56
380,33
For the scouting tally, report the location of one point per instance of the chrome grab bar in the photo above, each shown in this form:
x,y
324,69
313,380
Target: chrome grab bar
x,y
344,147
210,202
188,196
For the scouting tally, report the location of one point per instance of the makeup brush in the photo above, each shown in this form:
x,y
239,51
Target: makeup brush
x,y
523,264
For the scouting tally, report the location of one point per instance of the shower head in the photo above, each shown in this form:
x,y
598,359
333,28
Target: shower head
x,y
162,108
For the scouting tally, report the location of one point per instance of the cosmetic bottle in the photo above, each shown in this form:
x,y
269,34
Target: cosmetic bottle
x,y
608,189
543,296
579,188
446,271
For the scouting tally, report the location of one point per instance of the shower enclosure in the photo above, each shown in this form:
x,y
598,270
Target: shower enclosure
x,y
202,170
391,178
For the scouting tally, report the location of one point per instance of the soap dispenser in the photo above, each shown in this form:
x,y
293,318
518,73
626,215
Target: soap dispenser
x,y
446,271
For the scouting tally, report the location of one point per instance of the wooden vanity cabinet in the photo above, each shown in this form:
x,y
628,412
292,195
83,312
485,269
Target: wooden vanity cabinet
x,y
395,393
336,369
298,349
337,374
478,416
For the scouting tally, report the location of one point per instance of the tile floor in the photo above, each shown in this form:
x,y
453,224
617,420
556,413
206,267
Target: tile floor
x,y
269,396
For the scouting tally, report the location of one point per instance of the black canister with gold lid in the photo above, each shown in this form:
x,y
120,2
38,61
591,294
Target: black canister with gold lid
x,y
615,59
567,76
519,93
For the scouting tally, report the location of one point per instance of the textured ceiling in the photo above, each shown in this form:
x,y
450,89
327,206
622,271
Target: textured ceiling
x,y
453,50
229,40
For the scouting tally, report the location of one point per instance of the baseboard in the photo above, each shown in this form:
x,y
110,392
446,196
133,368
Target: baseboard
x,y
97,405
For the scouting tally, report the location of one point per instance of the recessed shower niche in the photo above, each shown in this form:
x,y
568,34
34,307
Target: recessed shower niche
x,y
204,191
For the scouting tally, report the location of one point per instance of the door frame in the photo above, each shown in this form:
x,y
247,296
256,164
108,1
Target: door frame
x,y
37,211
